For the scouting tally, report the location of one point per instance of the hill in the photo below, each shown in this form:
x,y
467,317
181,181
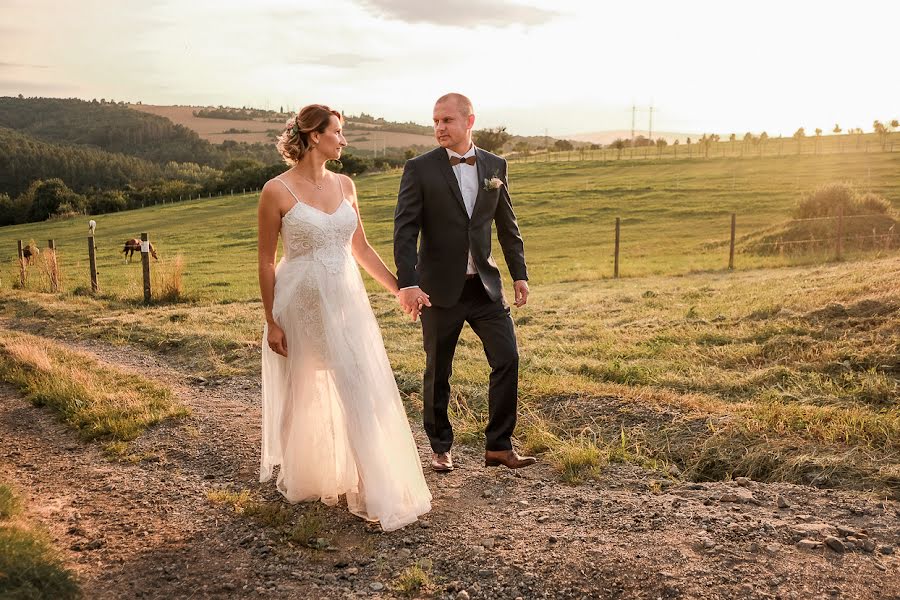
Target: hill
x,y
24,159
364,135
116,128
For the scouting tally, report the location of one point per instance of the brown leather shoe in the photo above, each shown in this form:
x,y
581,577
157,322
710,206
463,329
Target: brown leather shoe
x,y
507,458
442,461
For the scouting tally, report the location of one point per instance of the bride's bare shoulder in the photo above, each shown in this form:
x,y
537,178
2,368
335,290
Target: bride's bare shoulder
x,y
349,187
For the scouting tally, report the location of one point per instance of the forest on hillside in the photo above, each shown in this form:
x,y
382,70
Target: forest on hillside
x,y
63,156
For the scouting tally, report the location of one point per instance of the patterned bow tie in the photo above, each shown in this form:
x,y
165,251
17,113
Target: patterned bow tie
x,y
455,160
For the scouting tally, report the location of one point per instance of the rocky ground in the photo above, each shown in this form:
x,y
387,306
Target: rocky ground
x,y
146,528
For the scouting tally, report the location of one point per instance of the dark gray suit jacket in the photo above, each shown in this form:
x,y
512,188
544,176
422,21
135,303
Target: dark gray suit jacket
x,y
431,205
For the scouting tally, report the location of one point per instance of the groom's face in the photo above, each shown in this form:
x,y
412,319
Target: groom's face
x,y
452,129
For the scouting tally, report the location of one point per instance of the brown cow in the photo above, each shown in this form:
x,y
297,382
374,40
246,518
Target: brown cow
x,y
29,253
134,245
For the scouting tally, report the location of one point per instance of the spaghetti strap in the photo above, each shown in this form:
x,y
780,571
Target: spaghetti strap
x,y
288,189
340,183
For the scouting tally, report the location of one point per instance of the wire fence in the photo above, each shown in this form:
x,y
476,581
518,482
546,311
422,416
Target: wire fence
x,y
833,237
698,150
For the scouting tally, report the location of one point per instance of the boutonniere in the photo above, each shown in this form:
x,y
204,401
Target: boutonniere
x,y
493,183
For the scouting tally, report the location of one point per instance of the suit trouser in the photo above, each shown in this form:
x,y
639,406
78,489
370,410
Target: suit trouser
x,y
492,323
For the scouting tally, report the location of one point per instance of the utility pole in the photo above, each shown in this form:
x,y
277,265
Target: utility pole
x,y
633,109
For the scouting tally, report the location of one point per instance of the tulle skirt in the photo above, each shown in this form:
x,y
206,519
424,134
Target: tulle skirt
x,y
332,417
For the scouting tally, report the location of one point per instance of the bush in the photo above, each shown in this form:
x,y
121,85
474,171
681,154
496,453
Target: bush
x,y
107,202
873,203
50,197
816,227
13,211
830,199
351,165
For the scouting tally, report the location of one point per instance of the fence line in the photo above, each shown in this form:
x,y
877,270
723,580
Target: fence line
x,y
837,217
837,241
874,236
687,152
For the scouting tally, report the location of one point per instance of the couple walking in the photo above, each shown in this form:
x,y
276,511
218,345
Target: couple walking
x,y
332,418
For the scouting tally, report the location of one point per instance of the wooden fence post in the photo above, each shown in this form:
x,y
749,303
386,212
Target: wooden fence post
x,y
731,250
145,264
840,233
92,259
616,265
54,266
21,255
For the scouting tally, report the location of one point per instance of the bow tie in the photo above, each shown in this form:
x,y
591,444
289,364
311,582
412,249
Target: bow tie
x,y
455,160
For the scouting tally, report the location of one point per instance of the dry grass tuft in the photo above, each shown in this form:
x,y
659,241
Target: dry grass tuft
x,y
99,401
167,280
10,505
238,501
412,581
577,459
307,529
48,264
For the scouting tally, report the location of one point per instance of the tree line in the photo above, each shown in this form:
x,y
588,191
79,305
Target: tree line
x,y
239,114
64,181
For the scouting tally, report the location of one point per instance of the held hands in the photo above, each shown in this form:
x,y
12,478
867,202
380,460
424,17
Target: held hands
x,y
521,288
412,301
276,340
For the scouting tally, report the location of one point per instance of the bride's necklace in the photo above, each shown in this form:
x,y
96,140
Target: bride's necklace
x,y
318,186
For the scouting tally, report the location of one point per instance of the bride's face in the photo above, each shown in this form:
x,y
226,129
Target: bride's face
x,y
332,141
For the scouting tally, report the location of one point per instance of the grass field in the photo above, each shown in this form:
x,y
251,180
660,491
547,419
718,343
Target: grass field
x,y
675,219
786,369
774,147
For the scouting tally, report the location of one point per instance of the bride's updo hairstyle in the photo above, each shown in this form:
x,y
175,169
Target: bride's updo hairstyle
x,y
294,141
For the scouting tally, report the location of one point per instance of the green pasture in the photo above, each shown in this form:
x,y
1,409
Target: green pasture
x,y
675,219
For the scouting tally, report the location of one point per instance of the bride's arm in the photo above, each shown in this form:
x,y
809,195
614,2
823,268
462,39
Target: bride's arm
x,y
269,217
365,254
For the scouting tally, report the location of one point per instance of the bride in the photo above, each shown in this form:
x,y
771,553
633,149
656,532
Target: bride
x,y
332,417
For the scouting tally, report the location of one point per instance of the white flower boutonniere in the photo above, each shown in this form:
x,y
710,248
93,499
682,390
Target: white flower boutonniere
x,y
493,183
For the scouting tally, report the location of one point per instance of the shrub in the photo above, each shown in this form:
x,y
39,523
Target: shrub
x,y
50,197
107,201
828,200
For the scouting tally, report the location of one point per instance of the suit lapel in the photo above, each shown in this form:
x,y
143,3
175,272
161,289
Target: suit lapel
x,y
447,172
481,164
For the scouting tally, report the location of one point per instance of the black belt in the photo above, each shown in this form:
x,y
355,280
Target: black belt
x,y
471,275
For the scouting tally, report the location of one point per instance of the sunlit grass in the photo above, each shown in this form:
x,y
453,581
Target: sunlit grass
x,y
99,401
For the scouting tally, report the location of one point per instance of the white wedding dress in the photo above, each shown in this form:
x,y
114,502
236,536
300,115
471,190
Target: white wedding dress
x,y
332,417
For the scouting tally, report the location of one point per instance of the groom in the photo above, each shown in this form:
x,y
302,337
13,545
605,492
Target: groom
x,y
449,198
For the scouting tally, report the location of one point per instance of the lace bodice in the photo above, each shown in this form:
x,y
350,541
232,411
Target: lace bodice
x,y
310,234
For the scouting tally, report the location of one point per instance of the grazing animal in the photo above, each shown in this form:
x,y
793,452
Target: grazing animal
x,y
30,252
92,225
134,245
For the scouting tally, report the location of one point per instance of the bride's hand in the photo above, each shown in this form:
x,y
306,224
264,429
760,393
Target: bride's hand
x,y
277,340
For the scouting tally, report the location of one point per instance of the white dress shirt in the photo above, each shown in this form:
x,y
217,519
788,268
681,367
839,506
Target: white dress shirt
x,y
467,178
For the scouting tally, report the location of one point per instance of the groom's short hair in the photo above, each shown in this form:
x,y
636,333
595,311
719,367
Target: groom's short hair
x,y
462,102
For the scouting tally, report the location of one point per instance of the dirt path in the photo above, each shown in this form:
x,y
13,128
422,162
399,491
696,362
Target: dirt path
x,y
147,529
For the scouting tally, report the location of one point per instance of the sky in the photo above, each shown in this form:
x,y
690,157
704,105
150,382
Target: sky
x,y
556,67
